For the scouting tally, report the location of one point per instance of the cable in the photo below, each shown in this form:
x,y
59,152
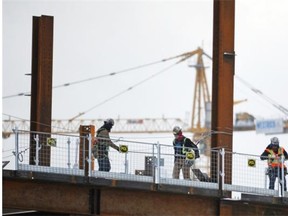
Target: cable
x,y
269,100
122,92
183,56
20,154
107,75
102,76
15,95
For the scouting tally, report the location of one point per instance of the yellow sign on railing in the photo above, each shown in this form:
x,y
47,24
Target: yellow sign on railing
x,y
251,162
51,142
123,148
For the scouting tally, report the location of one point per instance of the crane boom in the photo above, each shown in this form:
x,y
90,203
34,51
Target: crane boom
x,y
197,126
141,125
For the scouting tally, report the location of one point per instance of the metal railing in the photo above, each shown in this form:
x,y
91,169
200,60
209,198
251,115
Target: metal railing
x,y
144,162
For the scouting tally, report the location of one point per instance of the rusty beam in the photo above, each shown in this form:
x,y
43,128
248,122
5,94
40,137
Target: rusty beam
x,y
64,198
155,203
41,85
58,193
45,196
223,79
84,132
107,197
229,208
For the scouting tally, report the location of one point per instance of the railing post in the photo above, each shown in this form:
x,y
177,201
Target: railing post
x,y
265,182
69,163
158,163
126,163
16,147
83,155
279,181
76,166
282,175
38,148
221,170
153,163
89,159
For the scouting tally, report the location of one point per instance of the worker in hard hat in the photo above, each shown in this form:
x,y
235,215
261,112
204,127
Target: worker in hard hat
x,y
101,146
273,154
185,153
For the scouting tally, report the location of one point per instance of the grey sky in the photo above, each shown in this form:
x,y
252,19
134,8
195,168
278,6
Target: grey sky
x,y
93,38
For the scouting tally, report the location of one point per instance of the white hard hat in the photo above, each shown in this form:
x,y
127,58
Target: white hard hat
x,y
109,121
274,141
176,130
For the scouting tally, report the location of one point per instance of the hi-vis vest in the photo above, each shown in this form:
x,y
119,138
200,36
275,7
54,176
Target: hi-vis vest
x,y
100,148
180,149
274,160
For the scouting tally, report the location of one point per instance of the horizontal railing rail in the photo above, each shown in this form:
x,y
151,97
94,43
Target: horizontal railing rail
x,y
141,161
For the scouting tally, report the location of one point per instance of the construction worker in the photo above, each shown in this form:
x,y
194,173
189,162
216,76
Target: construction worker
x,y
101,145
183,147
273,154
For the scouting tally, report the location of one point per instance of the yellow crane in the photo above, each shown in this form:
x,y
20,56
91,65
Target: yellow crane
x,y
200,121
201,107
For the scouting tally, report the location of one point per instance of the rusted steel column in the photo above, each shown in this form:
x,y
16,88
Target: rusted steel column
x,y
84,131
223,80
41,85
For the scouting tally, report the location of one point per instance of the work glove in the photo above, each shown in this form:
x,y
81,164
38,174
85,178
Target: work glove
x,y
189,163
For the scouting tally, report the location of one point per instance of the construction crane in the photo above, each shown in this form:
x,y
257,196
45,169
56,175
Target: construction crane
x,y
200,120
146,125
201,99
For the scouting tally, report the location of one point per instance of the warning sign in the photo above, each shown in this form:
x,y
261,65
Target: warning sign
x,y
123,148
251,163
51,142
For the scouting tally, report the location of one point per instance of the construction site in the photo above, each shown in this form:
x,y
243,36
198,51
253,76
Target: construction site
x,y
50,168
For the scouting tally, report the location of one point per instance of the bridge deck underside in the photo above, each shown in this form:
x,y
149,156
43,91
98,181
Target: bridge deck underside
x,y
57,193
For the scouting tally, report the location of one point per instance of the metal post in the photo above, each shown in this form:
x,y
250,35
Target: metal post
x,y
38,148
282,175
218,168
68,142
16,147
266,173
83,155
153,164
126,163
75,166
158,163
223,167
222,170
89,159
223,77
279,181
41,83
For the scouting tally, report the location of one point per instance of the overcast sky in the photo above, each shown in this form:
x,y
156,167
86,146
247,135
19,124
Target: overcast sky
x,y
94,38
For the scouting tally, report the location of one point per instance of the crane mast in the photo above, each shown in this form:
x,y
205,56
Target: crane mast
x,y
201,98
200,117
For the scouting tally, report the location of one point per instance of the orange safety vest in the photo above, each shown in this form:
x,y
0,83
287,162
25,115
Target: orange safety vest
x,y
274,160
